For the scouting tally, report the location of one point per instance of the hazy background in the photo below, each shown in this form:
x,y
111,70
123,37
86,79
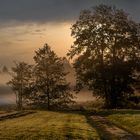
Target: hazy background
x,y
25,25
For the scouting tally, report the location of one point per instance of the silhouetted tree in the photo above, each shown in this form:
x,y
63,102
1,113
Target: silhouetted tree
x,y
5,69
52,87
20,82
107,50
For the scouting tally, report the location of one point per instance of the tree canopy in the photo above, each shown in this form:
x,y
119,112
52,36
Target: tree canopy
x,y
50,79
107,50
42,84
20,82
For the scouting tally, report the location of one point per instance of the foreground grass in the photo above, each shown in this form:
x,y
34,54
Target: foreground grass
x,y
130,122
48,126
124,118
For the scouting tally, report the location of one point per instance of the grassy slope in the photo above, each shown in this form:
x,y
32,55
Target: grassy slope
x,y
129,121
47,125
125,118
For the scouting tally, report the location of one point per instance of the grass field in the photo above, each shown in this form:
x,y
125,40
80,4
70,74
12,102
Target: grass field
x,y
48,125
130,122
125,118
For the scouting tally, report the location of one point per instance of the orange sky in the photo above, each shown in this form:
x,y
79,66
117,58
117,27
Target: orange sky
x,y
20,42
26,25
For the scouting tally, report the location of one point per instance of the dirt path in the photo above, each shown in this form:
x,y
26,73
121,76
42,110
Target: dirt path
x,y
14,114
109,131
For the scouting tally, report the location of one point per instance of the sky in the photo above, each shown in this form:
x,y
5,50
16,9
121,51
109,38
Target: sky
x,y
26,25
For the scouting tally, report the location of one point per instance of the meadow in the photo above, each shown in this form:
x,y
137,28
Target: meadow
x,y
62,125
129,121
48,125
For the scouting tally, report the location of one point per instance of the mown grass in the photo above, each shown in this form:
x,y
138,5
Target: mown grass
x,y
130,122
46,125
124,118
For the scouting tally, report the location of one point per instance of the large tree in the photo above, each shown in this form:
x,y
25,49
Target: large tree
x,y
107,50
52,88
21,77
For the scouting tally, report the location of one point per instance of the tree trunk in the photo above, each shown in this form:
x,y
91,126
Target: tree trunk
x,y
48,101
107,102
20,101
113,99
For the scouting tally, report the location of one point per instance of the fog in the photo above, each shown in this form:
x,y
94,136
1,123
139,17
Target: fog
x,y
7,96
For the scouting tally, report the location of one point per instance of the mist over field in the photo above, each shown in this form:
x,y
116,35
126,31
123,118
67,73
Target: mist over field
x,y
8,97
6,94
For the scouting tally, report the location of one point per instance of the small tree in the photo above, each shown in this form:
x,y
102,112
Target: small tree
x,y
5,69
21,75
51,84
107,45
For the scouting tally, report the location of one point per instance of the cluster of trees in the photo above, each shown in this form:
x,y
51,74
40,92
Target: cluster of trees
x,y
107,61
107,50
43,84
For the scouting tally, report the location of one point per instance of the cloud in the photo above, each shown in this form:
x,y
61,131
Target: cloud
x,y
55,10
40,10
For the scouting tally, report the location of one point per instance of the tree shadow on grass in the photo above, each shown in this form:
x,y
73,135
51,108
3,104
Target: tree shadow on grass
x,y
110,131
111,112
101,126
